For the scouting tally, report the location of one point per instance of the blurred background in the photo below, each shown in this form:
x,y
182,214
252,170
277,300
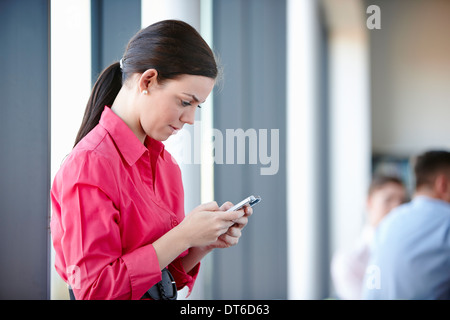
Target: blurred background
x,y
351,91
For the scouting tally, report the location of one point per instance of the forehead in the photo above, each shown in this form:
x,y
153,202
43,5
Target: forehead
x,y
191,85
389,188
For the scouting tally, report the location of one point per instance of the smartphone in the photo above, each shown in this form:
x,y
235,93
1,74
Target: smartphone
x,y
250,201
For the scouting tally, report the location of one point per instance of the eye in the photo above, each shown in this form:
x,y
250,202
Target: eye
x,y
188,103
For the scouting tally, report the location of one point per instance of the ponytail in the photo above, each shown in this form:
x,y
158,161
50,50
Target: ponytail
x,y
103,93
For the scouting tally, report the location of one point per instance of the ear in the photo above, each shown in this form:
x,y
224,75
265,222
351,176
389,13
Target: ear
x,y
441,184
147,80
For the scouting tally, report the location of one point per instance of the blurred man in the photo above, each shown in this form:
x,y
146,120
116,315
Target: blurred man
x,y
411,250
348,266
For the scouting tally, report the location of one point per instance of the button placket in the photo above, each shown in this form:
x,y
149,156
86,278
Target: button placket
x,y
145,170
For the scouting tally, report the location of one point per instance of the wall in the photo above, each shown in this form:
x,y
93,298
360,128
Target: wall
x,y
410,67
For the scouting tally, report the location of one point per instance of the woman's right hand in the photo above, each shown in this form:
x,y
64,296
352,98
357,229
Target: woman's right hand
x,y
203,225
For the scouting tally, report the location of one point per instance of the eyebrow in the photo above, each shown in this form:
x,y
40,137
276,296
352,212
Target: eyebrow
x,y
193,97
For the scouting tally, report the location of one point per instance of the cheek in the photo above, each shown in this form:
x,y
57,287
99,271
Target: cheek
x,y
149,121
380,205
169,115
147,118
391,205
157,114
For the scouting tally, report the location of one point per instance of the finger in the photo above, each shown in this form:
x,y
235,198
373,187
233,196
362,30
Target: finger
x,y
208,206
232,215
227,205
248,210
241,222
229,240
234,232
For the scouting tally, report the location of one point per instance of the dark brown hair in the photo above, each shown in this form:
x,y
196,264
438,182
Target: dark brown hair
x,y
171,47
429,164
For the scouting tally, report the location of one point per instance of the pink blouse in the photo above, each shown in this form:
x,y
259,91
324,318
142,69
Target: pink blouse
x,y
112,198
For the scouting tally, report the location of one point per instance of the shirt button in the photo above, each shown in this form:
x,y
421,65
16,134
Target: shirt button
x,y
174,223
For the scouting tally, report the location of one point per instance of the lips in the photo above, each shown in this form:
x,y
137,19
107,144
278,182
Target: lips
x,y
175,129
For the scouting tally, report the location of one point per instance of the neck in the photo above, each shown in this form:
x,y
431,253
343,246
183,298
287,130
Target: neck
x,y
430,193
123,108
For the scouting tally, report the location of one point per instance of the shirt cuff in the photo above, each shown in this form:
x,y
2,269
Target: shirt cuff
x,y
143,269
183,278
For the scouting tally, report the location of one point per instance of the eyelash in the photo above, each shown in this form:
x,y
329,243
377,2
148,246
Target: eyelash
x,y
187,103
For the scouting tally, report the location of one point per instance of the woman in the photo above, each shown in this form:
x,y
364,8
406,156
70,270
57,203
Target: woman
x,y
118,216
349,266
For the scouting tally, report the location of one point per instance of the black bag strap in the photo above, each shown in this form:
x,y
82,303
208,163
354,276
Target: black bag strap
x,y
166,289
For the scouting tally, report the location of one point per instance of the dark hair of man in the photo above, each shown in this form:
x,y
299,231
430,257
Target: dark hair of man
x,y
429,164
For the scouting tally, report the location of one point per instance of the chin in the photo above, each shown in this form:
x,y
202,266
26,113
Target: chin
x,y
160,138
163,137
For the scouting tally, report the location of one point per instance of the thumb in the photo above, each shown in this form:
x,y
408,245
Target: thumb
x,y
227,205
208,206
232,215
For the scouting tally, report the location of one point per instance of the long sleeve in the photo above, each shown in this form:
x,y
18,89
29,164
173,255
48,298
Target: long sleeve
x,y
87,238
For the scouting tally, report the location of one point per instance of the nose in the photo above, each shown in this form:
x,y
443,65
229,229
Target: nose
x,y
188,115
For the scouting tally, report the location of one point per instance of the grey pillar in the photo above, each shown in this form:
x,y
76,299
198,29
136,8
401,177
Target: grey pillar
x,y
250,38
24,145
113,23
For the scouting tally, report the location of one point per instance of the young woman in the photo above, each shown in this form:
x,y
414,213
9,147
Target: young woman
x,y
118,216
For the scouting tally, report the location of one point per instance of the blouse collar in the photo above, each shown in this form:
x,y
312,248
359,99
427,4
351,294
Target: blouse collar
x,y
126,141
